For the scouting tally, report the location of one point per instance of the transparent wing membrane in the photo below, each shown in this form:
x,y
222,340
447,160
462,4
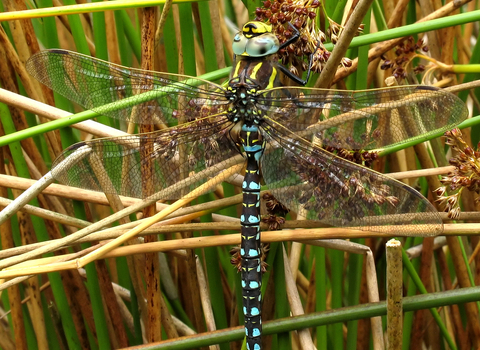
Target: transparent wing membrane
x,y
369,119
142,97
321,186
182,159
295,122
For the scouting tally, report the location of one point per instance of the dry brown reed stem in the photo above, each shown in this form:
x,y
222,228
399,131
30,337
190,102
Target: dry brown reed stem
x,y
32,289
434,43
473,256
26,44
52,202
20,123
310,303
167,320
187,214
112,38
63,191
415,251
178,39
381,48
394,294
8,80
464,86
66,220
189,271
447,39
27,236
99,198
67,37
302,283
199,58
205,300
295,302
126,314
350,30
49,112
134,269
397,14
388,9
39,265
216,16
14,297
294,258
464,52
166,226
461,271
373,296
32,46
6,341
151,269
425,274
427,251
102,223
182,329
468,30
113,314
226,39
172,225
161,22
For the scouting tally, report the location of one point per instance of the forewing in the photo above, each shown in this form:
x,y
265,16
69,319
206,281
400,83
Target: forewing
x,y
139,96
367,119
340,193
182,158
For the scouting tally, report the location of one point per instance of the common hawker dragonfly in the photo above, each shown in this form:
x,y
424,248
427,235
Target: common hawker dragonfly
x,y
280,131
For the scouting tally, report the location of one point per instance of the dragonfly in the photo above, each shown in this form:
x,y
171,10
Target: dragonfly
x,y
279,132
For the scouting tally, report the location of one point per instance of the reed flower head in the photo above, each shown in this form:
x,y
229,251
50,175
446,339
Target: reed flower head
x,y
405,52
466,174
301,14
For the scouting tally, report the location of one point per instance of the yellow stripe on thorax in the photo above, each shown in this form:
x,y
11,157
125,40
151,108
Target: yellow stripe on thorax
x,y
237,68
255,71
271,81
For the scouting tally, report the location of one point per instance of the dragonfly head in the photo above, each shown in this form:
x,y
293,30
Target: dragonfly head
x,y
255,40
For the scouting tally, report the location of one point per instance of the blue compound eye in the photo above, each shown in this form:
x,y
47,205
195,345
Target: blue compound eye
x,y
262,45
239,44
257,46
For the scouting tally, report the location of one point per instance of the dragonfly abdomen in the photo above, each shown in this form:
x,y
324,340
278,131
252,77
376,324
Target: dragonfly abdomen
x,y
251,274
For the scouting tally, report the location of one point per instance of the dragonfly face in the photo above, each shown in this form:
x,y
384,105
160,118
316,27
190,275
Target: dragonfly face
x,y
255,40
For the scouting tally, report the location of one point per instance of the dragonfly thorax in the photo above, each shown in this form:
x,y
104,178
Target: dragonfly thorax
x,y
243,99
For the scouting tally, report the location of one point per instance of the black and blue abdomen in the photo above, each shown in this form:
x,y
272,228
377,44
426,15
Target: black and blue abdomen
x,y
253,145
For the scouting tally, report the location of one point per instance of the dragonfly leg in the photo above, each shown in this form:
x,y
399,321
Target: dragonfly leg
x,y
292,76
295,36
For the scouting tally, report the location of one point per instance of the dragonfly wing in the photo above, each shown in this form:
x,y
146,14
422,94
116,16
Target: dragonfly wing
x,y
369,119
139,96
182,158
340,193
